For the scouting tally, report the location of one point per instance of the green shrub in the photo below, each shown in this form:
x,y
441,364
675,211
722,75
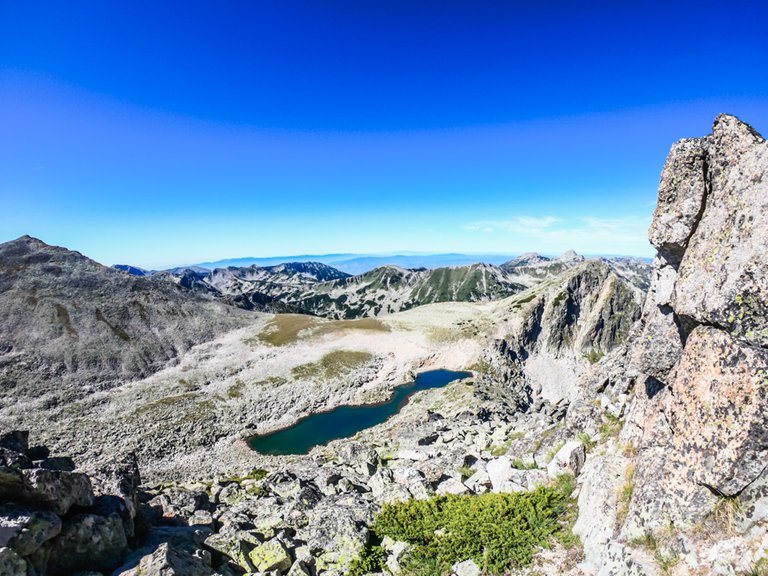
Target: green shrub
x,y
759,568
586,439
611,427
465,472
498,531
371,559
594,356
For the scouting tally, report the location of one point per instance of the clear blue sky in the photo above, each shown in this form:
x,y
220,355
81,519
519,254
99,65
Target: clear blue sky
x,y
160,133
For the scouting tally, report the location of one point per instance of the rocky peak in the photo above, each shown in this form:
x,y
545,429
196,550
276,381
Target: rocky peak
x,y
526,259
570,256
698,423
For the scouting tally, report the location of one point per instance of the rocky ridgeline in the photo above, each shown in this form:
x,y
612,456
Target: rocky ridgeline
x,y
312,288
686,492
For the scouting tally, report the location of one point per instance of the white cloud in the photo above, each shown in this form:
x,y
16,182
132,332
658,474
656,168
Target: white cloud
x,y
520,224
588,234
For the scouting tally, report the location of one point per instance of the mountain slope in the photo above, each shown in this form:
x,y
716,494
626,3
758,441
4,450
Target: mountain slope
x,y
70,324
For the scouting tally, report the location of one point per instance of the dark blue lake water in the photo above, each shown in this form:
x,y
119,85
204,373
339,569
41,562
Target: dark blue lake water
x,y
346,421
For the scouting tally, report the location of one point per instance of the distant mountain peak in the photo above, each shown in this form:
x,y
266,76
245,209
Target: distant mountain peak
x,y
526,259
570,256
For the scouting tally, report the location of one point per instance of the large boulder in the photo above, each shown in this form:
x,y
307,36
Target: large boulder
x,y
86,542
568,460
682,192
57,489
271,555
168,560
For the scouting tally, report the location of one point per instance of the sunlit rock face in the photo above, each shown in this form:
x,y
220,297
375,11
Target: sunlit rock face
x,y
697,428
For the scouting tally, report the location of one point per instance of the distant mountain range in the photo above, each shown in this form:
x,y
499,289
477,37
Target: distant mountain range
x,y
321,289
360,263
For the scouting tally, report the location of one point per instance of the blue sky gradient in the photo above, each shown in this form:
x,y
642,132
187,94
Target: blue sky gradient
x,y
168,134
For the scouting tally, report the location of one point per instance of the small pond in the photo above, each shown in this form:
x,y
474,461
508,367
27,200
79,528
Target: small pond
x,y
346,421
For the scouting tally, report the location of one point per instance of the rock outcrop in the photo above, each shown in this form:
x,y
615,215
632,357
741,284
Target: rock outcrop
x,y
696,431
58,522
583,315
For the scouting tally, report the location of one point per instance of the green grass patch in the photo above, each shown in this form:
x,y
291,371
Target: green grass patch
x,y
498,531
256,474
526,299
586,439
465,472
594,356
333,365
611,426
482,366
271,381
625,493
286,329
554,450
520,464
236,390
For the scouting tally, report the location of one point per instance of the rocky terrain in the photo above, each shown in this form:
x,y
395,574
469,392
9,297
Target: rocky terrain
x,y
654,405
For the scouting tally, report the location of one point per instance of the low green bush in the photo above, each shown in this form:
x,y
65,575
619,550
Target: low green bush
x,y
498,531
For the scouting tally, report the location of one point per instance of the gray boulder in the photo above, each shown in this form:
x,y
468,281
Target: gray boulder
x,y
58,489
25,530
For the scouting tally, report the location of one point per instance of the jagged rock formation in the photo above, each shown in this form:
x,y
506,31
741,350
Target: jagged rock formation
x,y
698,422
70,324
584,315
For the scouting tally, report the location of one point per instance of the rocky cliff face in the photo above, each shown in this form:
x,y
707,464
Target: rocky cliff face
x,y
560,332
695,446
70,324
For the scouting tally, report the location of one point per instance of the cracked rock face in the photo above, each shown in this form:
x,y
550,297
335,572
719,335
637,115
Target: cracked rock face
x,y
699,425
722,277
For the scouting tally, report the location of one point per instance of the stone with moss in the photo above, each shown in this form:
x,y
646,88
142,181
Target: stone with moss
x,y
271,555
